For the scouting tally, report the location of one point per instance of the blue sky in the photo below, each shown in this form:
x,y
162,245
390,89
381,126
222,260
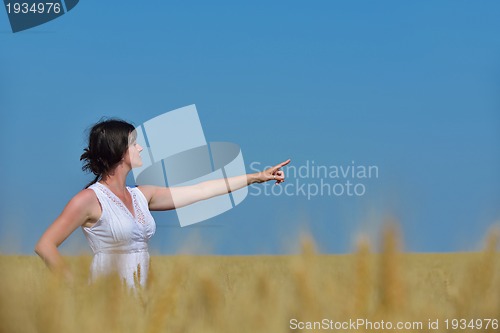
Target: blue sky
x,y
411,87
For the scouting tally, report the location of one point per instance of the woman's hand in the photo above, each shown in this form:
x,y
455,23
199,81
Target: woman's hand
x,y
273,173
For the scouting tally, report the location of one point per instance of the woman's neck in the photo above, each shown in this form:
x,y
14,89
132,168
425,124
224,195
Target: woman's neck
x,y
117,179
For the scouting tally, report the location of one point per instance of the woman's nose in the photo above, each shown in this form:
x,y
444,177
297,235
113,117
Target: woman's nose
x,y
140,147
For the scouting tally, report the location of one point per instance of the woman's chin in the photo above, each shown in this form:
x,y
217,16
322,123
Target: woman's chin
x,y
137,165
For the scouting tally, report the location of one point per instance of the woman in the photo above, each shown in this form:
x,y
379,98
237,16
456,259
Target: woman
x,y
116,219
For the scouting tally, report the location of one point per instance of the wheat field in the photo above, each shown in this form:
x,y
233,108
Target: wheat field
x,y
187,293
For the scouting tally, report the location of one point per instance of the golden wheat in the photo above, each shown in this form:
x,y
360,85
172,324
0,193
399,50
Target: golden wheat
x,y
257,293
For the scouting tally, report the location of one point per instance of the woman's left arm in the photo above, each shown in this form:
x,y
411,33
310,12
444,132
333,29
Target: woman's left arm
x,y
166,198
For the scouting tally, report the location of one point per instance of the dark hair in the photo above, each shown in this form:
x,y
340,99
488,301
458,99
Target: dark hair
x,y
108,143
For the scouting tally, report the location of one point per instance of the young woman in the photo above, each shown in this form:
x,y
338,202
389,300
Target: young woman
x,y
115,218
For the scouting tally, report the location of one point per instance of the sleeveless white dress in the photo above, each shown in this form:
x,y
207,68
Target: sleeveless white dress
x,y
119,239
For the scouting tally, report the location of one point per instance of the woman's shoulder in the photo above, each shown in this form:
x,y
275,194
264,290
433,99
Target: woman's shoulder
x,y
146,190
85,196
86,200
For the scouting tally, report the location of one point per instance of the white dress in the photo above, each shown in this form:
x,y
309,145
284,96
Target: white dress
x,y
119,239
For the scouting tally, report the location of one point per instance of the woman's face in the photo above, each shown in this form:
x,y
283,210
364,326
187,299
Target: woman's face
x,y
133,153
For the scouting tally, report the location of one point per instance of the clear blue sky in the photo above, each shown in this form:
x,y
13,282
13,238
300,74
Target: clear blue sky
x,y
411,87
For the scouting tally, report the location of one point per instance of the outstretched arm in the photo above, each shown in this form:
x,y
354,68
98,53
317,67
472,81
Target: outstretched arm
x,y
166,198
